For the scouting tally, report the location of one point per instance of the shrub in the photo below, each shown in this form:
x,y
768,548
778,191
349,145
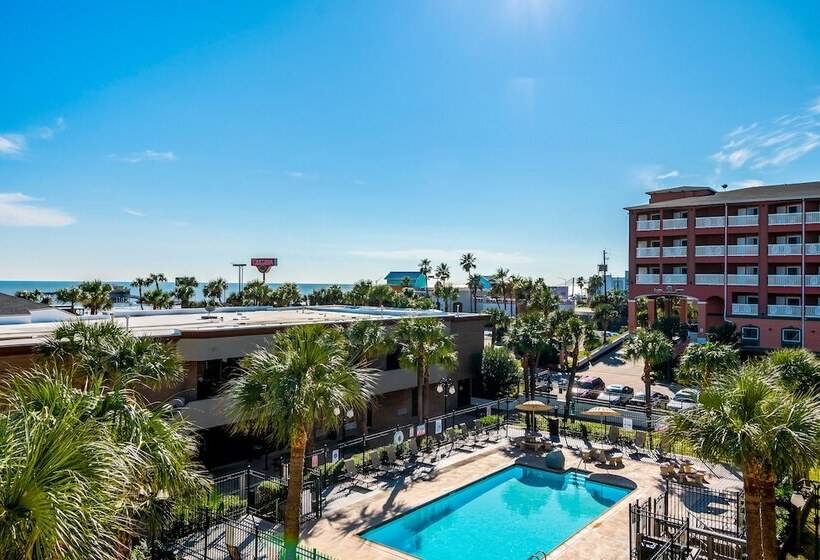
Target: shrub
x,y
500,372
268,493
489,420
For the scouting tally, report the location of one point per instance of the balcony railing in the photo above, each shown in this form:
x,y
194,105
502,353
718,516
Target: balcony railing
x,y
779,249
784,279
785,219
813,311
813,217
750,220
710,221
813,280
675,279
674,251
784,311
649,225
709,279
813,248
643,252
742,280
647,278
709,251
744,309
743,250
676,223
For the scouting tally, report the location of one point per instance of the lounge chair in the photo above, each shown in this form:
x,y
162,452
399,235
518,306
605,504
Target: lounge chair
x,y
667,470
614,435
413,449
478,432
392,460
376,462
640,440
351,472
663,448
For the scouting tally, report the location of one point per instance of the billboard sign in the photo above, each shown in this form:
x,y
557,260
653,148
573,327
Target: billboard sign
x,y
264,265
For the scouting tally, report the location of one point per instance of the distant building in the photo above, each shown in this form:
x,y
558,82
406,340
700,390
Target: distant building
x,y
620,283
397,279
18,311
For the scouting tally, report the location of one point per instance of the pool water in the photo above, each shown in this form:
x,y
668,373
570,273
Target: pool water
x,y
511,515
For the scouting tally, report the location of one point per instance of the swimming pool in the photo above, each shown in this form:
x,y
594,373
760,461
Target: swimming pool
x,y
510,514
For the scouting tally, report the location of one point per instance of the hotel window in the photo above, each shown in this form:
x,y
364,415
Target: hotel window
x,y
747,299
751,211
787,271
790,209
749,269
679,214
750,334
749,240
787,300
790,336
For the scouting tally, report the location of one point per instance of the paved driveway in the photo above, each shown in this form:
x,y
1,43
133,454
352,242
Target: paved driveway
x,y
614,368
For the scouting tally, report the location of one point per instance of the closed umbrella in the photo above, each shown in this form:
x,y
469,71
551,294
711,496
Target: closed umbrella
x,y
602,412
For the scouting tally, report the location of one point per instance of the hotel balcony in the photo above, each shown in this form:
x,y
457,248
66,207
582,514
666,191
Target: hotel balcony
x,y
813,217
709,279
710,221
813,280
744,309
785,219
742,280
647,278
784,280
743,220
813,311
676,223
644,252
649,225
709,251
674,251
675,279
813,248
780,249
743,250
784,311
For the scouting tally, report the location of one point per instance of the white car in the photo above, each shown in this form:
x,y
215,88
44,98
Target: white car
x,y
683,399
616,394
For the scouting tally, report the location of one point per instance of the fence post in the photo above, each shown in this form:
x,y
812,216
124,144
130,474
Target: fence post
x,y
207,530
666,500
255,542
247,489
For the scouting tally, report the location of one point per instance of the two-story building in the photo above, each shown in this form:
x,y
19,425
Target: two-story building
x,y
749,256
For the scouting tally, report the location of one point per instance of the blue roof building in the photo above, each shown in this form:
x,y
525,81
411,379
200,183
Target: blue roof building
x,y
417,279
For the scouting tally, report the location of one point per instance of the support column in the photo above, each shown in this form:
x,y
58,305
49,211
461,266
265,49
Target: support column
x,y
632,313
651,316
683,309
701,318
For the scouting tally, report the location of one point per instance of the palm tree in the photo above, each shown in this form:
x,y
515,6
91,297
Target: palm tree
x,y
580,283
159,299
72,296
750,420
301,382
527,338
543,299
256,292
700,364
594,285
426,268
96,296
467,263
498,320
474,284
797,368
215,290
140,283
443,272
573,332
156,278
423,343
185,288
604,314
499,282
381,293
654,349
368,339
449,294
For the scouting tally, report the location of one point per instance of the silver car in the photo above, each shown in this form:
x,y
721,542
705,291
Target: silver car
x,y
616,394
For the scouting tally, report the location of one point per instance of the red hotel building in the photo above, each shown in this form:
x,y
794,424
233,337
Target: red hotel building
x,y
749,256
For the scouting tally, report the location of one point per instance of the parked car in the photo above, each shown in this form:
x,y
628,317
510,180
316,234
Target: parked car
x,y
683,399
588,387
616,394
659,400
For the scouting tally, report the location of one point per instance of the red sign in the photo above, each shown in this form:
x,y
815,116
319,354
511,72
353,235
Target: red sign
x,y
265,262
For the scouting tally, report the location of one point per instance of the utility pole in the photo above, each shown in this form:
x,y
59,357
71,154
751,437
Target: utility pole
x,y
239,269
602,268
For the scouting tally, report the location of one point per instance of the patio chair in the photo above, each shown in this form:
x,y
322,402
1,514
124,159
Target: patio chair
x,y
392,460
667,470
600,456
663,448
233,552
351,473
376,462
477,433
413,449
586,455
640,440
614,435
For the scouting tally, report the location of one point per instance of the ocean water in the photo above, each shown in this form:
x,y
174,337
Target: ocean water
x,y
512,515
50,286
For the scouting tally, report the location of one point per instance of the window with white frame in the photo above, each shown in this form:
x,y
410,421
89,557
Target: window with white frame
x,y
791,336
750,334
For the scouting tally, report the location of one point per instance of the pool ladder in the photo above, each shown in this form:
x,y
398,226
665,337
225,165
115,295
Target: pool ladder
x,y
538,556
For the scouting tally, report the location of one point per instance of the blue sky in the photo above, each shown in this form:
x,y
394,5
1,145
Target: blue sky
x,y
349,139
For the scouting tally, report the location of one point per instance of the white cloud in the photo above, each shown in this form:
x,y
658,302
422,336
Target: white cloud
x,y
441,255
807,142
133,212
748,183
815,108
143,156
648,176
12,144
668,175
49,132
295,174
19,210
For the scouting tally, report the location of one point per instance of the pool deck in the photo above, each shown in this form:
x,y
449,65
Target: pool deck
x,y
606,538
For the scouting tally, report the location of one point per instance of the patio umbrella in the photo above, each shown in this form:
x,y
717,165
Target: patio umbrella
x,y
602,412
531,407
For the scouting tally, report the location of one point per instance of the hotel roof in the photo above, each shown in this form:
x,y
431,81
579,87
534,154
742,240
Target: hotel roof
x,y
766,193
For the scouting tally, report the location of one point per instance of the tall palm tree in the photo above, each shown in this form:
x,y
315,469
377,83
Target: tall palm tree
x,y
499,281
580,283
159,299
256,292
543,300
424,342
96,296
72,296
654,349
443,272
185,289
797,368
467,263
369,339
426,269
381,294
499,320
604,314
140,283
700,364
299,383
527,338
215,290
750,420
474,284
594,285
157,277
573,332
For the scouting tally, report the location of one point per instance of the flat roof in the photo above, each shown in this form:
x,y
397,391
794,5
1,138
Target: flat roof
x,y
222,322
765,193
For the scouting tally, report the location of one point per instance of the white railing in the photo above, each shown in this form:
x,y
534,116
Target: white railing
x,y
642,252
676,223
813,311
813,248
784,311
743,250
709,279
750,220
710,221
674,251
784,280
744,309
778,249
709,251
647,278
674,279
742,279
785,219
813,217
813,280
649,225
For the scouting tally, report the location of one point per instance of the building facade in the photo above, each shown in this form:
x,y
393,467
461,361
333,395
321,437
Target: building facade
x,y
747,256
